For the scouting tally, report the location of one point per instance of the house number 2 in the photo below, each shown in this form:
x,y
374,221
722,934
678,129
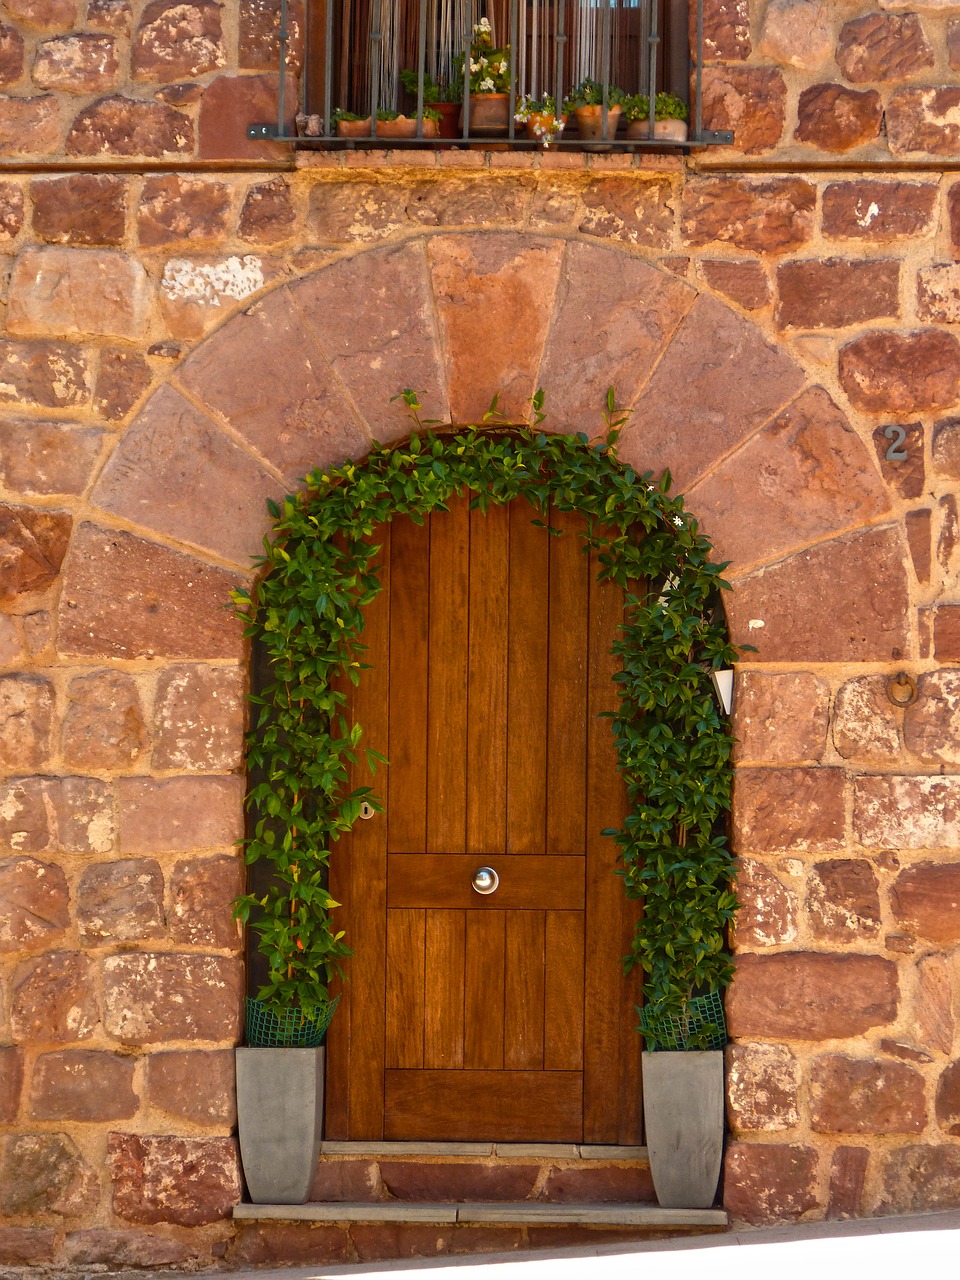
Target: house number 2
x,y
896,452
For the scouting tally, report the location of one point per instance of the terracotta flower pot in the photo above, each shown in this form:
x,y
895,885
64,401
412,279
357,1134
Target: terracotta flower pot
x,y
638,130
670,130
449,118
590,122
406,127
353,128
489,115
542,128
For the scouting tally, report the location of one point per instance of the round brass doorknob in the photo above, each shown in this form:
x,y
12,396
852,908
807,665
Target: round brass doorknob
x,y
485,880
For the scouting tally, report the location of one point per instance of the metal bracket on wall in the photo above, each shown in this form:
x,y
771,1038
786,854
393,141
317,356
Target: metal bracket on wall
x,y
716,137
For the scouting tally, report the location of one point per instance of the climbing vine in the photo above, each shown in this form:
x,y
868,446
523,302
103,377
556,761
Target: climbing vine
x,y
672,742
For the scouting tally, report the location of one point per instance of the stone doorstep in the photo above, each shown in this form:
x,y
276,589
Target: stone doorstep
x,y
483,1150
632,1215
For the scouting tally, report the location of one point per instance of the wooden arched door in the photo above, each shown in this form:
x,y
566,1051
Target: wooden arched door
x,y
501,1017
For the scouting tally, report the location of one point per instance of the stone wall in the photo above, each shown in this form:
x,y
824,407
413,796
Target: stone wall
x,y
767,312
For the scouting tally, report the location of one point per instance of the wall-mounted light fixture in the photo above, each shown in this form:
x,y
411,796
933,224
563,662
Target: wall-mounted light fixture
x,y
722,678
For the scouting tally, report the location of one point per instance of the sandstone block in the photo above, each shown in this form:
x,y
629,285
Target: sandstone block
x,y
126,1250
768,909
175,209
29,126
26,710
174,814
763,1081
69,815
902,476
47,457
227,106
886,372
34,903
946,630
122,378
796,33
948,1100
948,540
780,718
831,293
110,15
268,214
176,40
126,127
44,14
11,209
924,120
622,209
850,1095
726,31
920,1179
83,1084
931,726
124,597
103,726
368,211
120,902
759,216
259,28
864,722
743,282
907,813
54,999
848,1171
408,1181
749,100
769,1184
844,900
32,547
45,1173
152,997
11,1085
809,996
926,898
194,1086
11,55
188,1181
953,212
835,118
203,891
264,1242
197,292
76,64
877,211
80,208
883,47
99,292
47,375
938,293
459,200
919,534
199,719
22,1246
788,810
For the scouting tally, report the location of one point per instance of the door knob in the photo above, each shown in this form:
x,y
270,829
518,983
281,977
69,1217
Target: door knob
x,y
485,880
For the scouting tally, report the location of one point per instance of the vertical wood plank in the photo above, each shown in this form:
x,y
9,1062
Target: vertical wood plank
x,y
405,988
524,990
487,682
443,1021
527,682
409,632
563,993
447,680
483,991
567,689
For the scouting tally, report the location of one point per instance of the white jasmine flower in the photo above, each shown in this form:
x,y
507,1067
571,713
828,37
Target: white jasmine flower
x,y
487,85
678,522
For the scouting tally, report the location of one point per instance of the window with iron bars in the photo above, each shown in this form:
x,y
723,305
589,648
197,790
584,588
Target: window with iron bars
x,y
425,72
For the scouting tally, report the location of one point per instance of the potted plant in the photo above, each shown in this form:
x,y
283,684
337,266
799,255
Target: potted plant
x,y
348,124
439,97
636,112
539,116
671,115
586,102
391,124
490,80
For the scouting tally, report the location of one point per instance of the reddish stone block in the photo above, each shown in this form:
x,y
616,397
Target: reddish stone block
x,y
758,216
763,1081
726,31
29,126
886,372
197,293
172,814
469,200
924,120
926,898
120,902
127,127
11,56
259,29
257,1243
767,1184
408,1180
199,719
808,996
768,909
931,726
126,1250
111,15
905,1052
203,891
33,544
749,100
229,104
175,209
919,536
122,378
798,480
176,41
938,293
72,815
640,213
850,1095
692,410
123,598
953,43
103,727
831,293
54,999
349,1179
188,1181
848,1172
865,725
44,1173
904,476
788,810
780,718
46,375
83,1084
835,118
948,540
637,310
11,210
11,1084
878,211
796,33
23,1246
843,902
946,448
47,457
907,813
194,1086
921,1179
44,14
883,47
34,904
268,214
69,291
175,472
743,282
26,710
364,210
948,1100
946,633
149,997
76,64
599,1184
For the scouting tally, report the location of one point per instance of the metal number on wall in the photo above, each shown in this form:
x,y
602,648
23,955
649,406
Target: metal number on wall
x,y
896,452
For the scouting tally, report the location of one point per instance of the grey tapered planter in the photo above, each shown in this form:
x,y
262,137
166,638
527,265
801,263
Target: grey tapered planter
x,y
280,1121
683,1114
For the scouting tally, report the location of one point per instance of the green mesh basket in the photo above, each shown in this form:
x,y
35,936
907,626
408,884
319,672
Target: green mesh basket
x,y
290,1030
702,1025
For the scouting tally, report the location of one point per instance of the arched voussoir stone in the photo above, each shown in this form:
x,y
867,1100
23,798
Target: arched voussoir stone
x,y
175,472
125,597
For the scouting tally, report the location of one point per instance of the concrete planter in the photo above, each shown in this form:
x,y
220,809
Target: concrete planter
x,y
280,1121
683,1114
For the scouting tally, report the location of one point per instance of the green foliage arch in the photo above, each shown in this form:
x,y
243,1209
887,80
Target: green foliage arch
x,y
673,745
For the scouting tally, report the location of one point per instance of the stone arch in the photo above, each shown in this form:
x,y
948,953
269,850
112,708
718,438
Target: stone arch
x,y
306,375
